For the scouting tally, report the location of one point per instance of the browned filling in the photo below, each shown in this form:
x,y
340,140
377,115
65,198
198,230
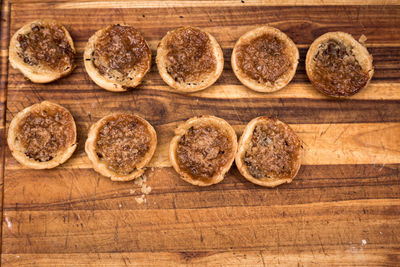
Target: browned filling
x,y
45,133
46,45
337,71
190,55
263,59
122,143
203,151
272,151
122,49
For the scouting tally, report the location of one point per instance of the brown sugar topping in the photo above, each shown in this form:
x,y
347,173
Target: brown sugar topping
x,y
46,45
337,71
122,143
122,49
203,151
190,55
45,133
263,59
272,151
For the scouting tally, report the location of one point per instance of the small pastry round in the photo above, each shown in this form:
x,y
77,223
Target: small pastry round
x,y
337,65
43,51
42,136
265,59
203,150
269,152
117,57
120,146
189,59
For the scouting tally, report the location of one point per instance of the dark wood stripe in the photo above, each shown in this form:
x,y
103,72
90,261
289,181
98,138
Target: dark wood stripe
x,y
161,107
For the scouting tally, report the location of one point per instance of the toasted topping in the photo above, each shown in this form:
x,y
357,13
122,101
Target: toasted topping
x,y
44,133
203,150
46,45
122,143
120,50
337,71
263,59
190,56
272,151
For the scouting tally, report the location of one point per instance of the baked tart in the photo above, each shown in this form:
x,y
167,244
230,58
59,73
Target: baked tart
x,y
337,65
189,59
265,59
203,149
120,146
43,51
117,57
42,136
269,152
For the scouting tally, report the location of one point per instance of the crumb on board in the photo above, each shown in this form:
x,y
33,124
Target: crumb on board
x,y
362,39
144,189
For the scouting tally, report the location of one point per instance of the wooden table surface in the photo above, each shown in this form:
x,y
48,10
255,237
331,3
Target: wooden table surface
x,y
343,208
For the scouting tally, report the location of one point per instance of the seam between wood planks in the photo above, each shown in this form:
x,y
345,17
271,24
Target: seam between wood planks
x,y
4,32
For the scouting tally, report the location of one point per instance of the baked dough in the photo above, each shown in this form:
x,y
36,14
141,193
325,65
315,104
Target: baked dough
x,y
120,146
270,58
203,149
337,65
117,57
189,59
42,136
269,152
42,61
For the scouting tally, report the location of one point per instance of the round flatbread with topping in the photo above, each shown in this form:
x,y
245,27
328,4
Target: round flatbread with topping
x,y
337,65
42,136
203,149
265,59
120,146
269,152
43,51
117,57
189,59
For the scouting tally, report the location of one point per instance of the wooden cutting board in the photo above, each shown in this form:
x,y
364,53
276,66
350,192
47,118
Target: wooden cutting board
x,y
343,207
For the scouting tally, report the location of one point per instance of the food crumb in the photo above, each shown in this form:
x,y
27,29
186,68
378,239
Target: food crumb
x,y
362,39
132,191
146,189
364,242
139,200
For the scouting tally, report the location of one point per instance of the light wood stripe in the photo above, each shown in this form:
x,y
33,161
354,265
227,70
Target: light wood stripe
x,y
363,143
202,3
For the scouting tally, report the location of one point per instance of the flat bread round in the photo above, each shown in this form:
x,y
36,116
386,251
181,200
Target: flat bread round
x,y
117,57
43,51
203,149
189,59
42,136
337,65
265,59
120,146
269,152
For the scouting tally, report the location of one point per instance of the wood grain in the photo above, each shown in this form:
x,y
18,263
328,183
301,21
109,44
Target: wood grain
x,y
342,209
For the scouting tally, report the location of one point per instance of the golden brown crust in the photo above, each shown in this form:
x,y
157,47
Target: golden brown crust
x,y
18,149
101,166
193,85
291,52
37,73
359,52
222,126
245,141
131,79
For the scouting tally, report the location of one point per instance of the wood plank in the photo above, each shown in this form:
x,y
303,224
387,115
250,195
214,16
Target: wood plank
x,y
354,256
224,228
83,189
323,144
